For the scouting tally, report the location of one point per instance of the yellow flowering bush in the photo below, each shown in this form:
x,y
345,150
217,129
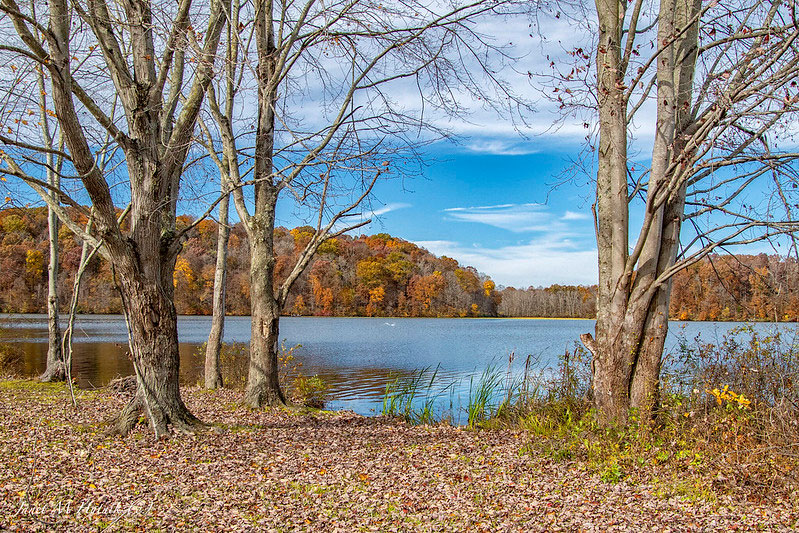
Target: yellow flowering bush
x,y
726,395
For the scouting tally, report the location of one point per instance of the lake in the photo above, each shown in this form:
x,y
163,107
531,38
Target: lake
x,y
357,357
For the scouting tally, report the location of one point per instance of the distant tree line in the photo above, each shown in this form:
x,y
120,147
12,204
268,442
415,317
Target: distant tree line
x,y
556,301
717,288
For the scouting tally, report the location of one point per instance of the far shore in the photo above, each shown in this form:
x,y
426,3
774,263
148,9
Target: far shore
x,y
6,315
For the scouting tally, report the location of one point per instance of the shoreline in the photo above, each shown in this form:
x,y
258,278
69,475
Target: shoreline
x,y
671,320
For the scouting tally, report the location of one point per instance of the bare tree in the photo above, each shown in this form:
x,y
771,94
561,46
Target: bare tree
x,y
321,76
720,80
213,373
55,370
152,61
213,348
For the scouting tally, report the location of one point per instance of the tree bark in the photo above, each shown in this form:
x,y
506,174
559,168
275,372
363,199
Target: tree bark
x,y
213,373
55,370
612,358
633,297
152,322
263,383
645,386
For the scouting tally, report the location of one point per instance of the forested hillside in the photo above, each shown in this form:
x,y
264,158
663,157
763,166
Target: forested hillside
x,y
368,275
740,287
378,275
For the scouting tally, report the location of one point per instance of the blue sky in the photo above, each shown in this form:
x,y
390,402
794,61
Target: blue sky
x,y
498,212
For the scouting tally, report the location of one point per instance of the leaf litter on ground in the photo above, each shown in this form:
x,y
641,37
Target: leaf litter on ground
x,y
283,470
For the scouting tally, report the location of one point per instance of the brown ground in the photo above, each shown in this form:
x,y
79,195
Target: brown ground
x,y
324,472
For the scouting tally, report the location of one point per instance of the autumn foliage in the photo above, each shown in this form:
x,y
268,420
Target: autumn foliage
x,y
375,275
742,287
719,288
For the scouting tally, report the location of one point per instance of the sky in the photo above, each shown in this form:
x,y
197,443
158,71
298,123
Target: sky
x,y
489,200
497,212
502,204
501,198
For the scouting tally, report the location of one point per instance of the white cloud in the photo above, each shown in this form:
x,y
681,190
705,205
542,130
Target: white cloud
x,y
518,218
389,208
538,262
572,215
498,206
501,147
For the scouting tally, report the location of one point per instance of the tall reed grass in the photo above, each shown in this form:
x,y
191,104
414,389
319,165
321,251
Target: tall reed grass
x,y
495,394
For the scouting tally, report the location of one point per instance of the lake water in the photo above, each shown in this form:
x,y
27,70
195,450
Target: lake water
x,y
357,357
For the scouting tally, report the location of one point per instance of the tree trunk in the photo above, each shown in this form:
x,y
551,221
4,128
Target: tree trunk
x,y
677,69
263,383
644,389
152,322
213,373
55,370
633,299
614,349
612,358
645,379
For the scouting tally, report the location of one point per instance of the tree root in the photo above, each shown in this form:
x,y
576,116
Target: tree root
x,y
262,396
54,373
162,420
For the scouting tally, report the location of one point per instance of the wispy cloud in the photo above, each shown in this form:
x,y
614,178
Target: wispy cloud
x,y
538,262
518,218
484,207
572,215
501,147
522,218
389,208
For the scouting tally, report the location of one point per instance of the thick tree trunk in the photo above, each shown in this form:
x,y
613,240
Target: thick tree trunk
x,y
614,350
642,306
675,73
645,380
263,383
152,320
55,370
633,299
213,373
644,389
612,356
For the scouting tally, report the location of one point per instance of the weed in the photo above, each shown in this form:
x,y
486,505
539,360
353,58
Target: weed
x,y
481,396
10,359
301,389
413,397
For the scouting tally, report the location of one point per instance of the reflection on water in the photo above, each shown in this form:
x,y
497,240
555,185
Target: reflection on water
x,y
357,357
